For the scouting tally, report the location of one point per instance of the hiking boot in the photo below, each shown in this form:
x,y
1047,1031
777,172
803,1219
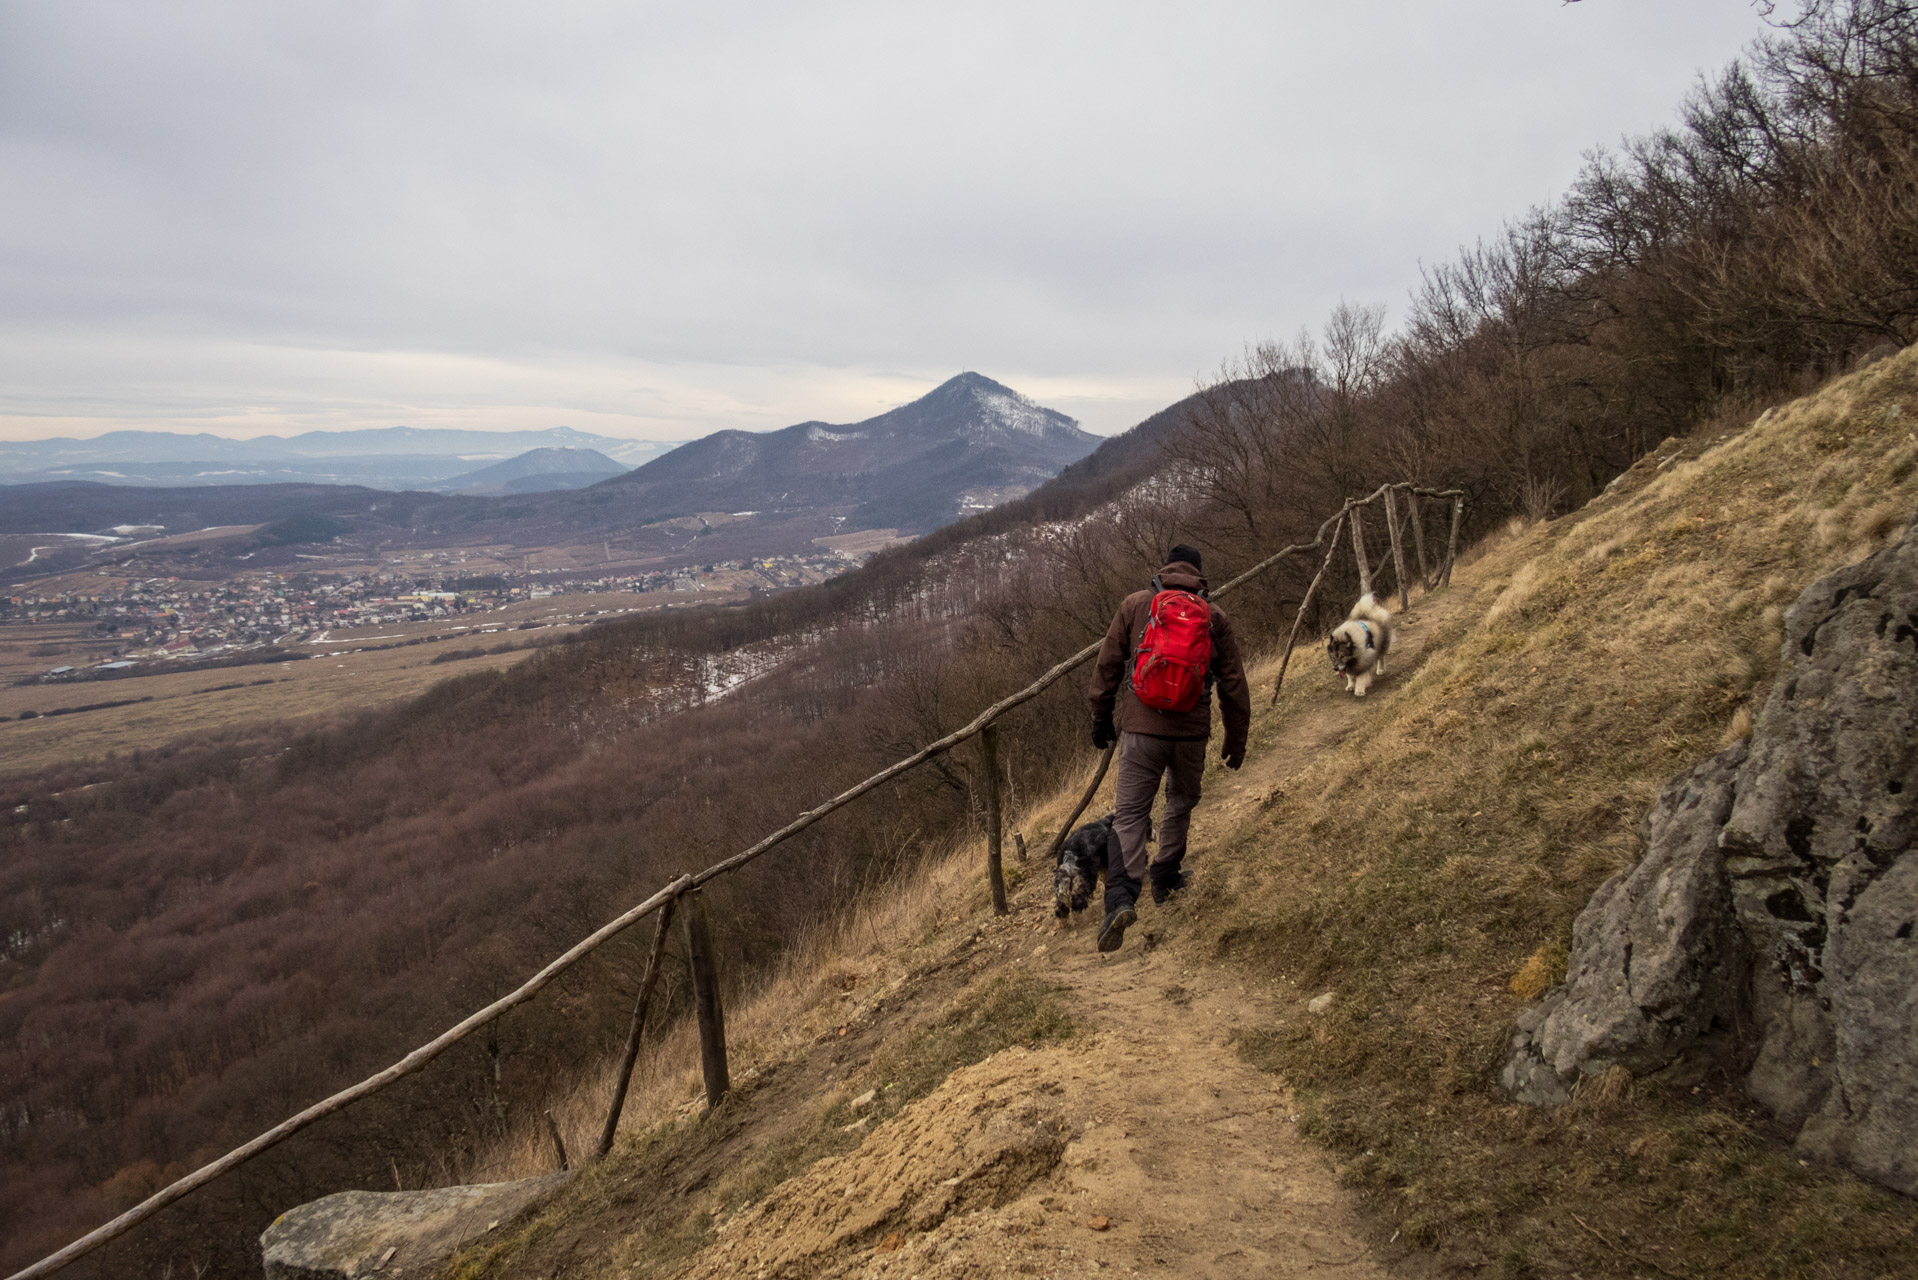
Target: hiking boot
x,y
1163,887
1112,934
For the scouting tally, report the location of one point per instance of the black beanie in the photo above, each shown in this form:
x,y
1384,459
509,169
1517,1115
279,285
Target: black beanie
x,y
1185,553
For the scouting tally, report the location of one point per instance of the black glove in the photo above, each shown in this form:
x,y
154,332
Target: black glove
x,y
1103,734
1234,757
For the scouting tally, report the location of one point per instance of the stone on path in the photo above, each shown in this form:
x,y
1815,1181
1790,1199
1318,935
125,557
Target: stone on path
x,y
355,1234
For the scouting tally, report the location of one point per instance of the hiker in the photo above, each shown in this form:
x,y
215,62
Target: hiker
x,y
1152,692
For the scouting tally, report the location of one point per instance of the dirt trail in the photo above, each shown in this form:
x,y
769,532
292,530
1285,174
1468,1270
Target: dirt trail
x,y
1145,1145
1326,716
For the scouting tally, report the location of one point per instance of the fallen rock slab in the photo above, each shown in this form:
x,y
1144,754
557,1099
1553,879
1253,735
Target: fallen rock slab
x,y
355,1234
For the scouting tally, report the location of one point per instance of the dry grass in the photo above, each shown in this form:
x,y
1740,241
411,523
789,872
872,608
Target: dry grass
x,y
871,971
796,1069
836,972
1429,869
659,1198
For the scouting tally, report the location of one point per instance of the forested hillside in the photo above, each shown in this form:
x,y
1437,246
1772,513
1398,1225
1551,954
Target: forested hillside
x,y
203,938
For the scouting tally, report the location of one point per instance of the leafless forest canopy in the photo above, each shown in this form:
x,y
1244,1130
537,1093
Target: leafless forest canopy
x,y
199,940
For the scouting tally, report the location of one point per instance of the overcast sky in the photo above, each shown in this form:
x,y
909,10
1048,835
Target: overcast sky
x,y
657,220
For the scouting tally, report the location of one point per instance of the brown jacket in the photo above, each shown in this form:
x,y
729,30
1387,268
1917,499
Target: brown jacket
x,y
1112,675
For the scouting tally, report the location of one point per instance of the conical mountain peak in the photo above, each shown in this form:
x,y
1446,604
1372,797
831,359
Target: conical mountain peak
x,y
977,407
970,441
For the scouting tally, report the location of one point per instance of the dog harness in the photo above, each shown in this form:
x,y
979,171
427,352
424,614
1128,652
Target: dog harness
x,y
1368,634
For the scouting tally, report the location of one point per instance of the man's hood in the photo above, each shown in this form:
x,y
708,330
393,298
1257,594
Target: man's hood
x,y
1181,576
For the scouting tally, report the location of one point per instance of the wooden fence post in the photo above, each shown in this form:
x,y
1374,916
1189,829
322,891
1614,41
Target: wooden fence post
x,y
1451,544
1098,776
712,1017
995,873
1416,505
1358,551
1019,844
624,1076
1298,619
559,1145
1398,549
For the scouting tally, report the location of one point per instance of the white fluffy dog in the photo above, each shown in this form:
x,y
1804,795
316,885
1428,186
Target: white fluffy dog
x,y
1359,644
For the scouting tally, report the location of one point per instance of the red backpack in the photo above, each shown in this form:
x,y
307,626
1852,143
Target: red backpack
x,y
1174,652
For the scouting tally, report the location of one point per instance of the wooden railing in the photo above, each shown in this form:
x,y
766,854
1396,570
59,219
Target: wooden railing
x,y
705,979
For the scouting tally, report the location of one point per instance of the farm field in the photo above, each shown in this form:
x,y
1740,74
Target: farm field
x,y
351,670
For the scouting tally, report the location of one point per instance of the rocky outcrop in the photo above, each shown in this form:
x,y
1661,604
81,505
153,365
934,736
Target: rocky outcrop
x,y
1778,892
1657,963
1818,851
392,1233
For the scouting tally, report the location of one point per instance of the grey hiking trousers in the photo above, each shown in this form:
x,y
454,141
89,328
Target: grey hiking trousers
x,y
1142,762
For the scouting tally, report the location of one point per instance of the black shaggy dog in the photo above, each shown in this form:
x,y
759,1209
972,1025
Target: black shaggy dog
x,y
1082,860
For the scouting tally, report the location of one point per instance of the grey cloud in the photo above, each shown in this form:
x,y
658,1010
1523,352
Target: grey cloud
x,y
1107,193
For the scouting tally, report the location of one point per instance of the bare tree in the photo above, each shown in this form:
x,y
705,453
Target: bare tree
x,y
1281,425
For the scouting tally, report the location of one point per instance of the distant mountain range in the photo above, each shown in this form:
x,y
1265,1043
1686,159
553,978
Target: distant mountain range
x,y
967,444
379,458
536,471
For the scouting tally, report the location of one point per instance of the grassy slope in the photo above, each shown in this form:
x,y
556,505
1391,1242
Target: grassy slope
x,y
1421,868
1429,869
893,997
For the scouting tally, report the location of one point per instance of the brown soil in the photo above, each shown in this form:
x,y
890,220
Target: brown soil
x,y
1146,1144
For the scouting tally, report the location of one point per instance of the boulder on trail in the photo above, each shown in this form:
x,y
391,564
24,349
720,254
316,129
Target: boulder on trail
x,y
1778,893
392,1233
